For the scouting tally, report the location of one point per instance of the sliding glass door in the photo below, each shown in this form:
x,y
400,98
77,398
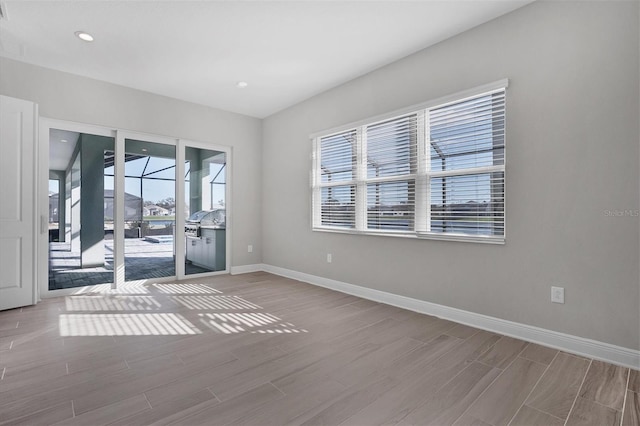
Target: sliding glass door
x,y
205,203
80,234
131,207
149,228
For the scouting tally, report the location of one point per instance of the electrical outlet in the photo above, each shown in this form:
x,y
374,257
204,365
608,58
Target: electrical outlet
x,y
557,294
329,258
250,248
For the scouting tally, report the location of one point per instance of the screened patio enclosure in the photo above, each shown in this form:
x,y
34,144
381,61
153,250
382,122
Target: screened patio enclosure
x,y
87,183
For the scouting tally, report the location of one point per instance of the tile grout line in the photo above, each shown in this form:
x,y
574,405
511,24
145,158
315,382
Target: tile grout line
x,y
515,357
578,393
147,399
532,360
479,362
482,363
279,390
214,395
626,392
524,402
602,405
489,385
549,414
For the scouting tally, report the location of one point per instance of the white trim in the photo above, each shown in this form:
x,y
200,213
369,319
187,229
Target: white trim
x,y
119,152
146,137
415,235
183,144
179,216
38,210
441,101
578,345
203,275
246,269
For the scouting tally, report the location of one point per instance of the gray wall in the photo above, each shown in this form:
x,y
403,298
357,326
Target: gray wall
x,y
68,97
572,154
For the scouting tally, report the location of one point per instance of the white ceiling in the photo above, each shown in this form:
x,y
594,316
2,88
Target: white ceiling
x,y
62,143
196,51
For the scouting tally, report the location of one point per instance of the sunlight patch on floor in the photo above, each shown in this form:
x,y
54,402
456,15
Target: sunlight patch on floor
x,y
103,311
158,324
254,322
115,303
132,287
214,302
185,289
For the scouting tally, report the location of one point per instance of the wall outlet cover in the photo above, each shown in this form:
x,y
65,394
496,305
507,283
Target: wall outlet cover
x,y
557,294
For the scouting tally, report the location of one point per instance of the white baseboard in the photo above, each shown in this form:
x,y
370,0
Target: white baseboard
x,y
245,269
566,342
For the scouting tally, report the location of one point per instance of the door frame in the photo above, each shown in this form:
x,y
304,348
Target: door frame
x,y
180,216
119,136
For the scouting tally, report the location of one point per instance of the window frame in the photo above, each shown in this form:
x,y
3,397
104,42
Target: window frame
x,y
422,177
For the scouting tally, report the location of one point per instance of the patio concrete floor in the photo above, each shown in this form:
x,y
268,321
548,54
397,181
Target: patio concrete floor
x,y
142,260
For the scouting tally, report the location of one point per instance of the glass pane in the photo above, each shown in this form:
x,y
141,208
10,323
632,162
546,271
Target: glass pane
x,y
469,204
160,168
150,190
468,134
54,207
338,157
392,148
338,206
205,200
80,210
390,205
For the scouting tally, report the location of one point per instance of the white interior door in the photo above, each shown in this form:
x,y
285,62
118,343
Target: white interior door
x,y
18,225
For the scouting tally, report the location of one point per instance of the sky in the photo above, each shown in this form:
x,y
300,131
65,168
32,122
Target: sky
x,y
157,190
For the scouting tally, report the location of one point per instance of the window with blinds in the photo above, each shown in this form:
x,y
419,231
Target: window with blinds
x,y
435,172
337,174
466,144
391,161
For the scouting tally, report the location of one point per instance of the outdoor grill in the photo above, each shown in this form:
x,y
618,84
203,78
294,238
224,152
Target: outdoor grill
x,y
204,219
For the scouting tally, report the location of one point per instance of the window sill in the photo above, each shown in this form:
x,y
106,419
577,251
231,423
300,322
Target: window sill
x,y
421,236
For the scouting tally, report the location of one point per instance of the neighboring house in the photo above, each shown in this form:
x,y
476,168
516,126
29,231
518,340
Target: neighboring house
x,y
132,206
153,210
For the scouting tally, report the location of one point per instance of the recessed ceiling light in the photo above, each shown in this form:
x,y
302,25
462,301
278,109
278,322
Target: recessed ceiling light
x,y
84,36
64,140
242,84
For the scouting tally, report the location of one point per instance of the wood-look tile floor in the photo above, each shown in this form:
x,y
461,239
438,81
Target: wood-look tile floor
x,y
259,349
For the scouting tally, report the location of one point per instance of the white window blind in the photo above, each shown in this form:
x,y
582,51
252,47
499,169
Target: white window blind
x,y
392,167
467,166
436,172
337,174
